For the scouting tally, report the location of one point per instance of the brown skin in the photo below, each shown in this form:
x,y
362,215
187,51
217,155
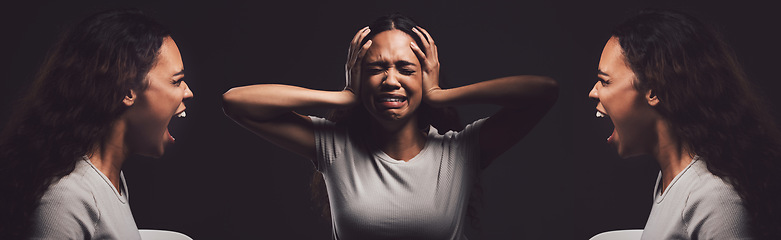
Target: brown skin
x,y
639,129
393,69
142,129
391,63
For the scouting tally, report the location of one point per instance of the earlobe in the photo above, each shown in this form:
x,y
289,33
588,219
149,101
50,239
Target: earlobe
x,y
651,97
130,97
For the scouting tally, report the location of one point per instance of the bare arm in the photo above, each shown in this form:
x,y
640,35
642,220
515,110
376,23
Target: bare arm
x,y
524,101
269,109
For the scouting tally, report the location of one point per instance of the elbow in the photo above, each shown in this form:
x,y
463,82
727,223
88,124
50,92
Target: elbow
x,y
546,90
549,90
229,103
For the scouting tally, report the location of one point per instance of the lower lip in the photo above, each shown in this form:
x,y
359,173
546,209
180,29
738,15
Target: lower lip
x,y
169,137
612,138
392,104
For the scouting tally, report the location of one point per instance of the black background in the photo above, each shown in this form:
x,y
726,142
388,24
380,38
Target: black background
x,y
221,182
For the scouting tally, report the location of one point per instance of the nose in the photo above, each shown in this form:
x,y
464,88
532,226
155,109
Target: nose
x,y
390,82
593,93
188,94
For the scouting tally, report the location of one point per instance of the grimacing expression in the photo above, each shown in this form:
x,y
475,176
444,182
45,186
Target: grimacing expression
x,y
630,110
152,109
391,84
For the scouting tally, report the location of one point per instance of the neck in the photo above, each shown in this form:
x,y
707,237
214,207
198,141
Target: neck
x,y
401,140
110,155
671,155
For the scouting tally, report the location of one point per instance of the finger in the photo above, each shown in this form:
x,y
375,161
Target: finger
x,y
434,52
358,35
363,35
418,52
423,38
363,50
428,36
355,47
356,40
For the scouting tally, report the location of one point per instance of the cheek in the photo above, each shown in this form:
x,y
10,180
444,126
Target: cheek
x,y
631,114
164,102
413,84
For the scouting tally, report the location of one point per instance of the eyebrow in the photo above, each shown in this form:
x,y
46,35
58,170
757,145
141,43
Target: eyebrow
x,y
600,72
377,63
400,63
179,73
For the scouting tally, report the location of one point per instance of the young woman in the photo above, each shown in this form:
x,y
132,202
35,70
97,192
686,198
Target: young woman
x,y
674,90
390,174
106,90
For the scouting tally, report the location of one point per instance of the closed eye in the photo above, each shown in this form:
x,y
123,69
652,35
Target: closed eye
x,y
178,82
374,71
603,81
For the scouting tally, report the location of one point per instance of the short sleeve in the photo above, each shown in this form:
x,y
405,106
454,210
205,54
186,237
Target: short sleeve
x,y
66,211
325,142
469,140
718,213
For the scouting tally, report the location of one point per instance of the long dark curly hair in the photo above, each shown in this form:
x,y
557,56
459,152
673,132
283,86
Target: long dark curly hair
x,y
70,107
712,108
443,119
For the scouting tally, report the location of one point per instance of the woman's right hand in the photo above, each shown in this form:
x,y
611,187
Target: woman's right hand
x,y
355,55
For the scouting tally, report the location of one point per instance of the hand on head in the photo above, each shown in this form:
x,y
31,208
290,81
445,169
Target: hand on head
x,y
355,55
429,59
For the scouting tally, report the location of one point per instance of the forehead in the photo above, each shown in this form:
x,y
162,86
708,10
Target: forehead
x,y
169,58
613,61
391,46
612,54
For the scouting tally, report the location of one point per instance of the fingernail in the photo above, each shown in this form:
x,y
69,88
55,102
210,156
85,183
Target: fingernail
x,y
413,44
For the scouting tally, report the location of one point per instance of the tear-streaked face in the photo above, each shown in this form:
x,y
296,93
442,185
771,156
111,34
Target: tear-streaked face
x,y
392,84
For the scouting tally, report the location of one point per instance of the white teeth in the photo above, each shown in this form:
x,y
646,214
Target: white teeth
x,y
390,100
600,114
182,115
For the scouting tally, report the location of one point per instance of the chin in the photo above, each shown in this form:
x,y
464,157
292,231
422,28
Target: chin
x,y
153,153
626,153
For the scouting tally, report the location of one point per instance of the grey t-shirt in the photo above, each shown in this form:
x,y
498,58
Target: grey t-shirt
x,y
374,196
696,205
84,205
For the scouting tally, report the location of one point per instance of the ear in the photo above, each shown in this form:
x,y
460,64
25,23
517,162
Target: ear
x,y
130,97
650,97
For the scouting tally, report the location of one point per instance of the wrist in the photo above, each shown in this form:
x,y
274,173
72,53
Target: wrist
x,y
346,98
433,96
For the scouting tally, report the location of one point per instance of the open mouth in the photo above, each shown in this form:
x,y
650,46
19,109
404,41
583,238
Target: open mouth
x,y
170,137
611,139
391,101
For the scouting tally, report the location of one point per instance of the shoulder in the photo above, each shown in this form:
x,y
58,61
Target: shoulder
x,y
75,187
714,208
68,207
471,129
318,121
709,188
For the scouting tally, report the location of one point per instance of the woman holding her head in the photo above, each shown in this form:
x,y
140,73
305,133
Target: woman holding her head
x,y
674,90
106,90
393,166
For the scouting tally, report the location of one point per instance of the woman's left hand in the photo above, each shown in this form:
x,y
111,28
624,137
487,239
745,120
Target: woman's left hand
x,y
429,61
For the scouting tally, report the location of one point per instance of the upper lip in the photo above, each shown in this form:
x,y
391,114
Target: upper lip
x,y
391,95
180,112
